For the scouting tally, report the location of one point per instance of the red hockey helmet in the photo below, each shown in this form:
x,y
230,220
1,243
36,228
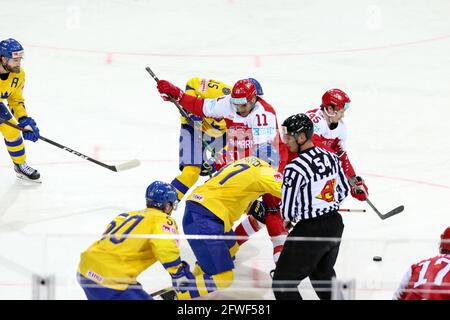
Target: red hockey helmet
x,y
243,91
445,246
336,98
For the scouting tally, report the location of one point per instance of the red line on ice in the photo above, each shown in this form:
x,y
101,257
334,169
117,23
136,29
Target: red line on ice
x,y
219,55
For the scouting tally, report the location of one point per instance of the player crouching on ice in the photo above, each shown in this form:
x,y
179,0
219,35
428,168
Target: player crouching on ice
x,y
108,268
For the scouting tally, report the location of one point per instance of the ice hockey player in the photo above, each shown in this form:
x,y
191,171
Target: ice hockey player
x,y
194,159
12,80
428,279
109,267
330,132
213,208
193,151
250,121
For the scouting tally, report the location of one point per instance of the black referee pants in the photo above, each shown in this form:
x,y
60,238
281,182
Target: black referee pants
x,y
313,259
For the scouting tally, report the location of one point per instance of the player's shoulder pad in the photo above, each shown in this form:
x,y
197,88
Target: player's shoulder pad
x,y
313,110
267,106
169,225
268,171
157,213
193,84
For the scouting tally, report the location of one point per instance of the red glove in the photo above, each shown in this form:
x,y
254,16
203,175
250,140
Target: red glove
x,y
361,192
167,90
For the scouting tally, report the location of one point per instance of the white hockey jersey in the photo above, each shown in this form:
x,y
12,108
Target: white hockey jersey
x,y
243,133
335,138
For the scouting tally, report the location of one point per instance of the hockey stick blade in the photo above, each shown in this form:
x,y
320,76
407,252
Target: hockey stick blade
x,y
165,294
382,216
124,166
127,165
394,212
387,215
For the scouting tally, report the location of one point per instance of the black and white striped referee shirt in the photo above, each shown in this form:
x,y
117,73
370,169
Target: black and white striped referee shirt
x,y
314,184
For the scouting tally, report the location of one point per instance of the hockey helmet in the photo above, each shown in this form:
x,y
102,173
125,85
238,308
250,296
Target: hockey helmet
x,y
11,49
259,90
444,245
159,193
336,98
298,123
243,91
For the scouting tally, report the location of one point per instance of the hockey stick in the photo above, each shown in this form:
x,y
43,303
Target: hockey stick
x,y
175,102
121,167
166,293
186,115
382,216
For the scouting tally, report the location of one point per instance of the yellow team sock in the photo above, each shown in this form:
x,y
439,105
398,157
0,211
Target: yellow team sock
x,y
206,284
234,249
197,270
223,280
16,150
186,180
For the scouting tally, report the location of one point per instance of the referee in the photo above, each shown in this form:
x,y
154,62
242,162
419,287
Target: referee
x,y
314,186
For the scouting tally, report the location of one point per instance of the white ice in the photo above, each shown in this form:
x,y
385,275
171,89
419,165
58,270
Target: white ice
x,y
87,88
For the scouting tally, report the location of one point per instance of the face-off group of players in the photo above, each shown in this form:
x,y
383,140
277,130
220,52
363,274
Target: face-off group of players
x,y
231,134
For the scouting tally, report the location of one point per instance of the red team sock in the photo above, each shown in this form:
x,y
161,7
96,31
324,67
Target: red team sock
x,y
275,228
277,232
247,227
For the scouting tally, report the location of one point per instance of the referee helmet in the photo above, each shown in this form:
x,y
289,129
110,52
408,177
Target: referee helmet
x,y
298,123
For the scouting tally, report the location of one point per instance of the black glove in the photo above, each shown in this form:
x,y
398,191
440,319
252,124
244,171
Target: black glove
x,y
169,295
258,210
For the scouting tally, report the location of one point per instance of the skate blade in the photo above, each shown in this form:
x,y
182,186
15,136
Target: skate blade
x,y
25,178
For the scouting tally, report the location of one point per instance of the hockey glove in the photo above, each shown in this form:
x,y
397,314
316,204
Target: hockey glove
x,y
168,90
208,167
30,124
169,295
360,192
184,280
259,210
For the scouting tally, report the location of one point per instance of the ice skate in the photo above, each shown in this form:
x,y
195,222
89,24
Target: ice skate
x,y
25,172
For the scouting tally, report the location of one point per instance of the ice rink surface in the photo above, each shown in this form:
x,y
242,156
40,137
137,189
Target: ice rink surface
x,y
87,88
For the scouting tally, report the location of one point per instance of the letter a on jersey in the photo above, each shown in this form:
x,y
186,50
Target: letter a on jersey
x,y
327,193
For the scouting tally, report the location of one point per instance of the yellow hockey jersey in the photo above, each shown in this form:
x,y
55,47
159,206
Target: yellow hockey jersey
x,y
208,89
115,261
232,189
11,90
